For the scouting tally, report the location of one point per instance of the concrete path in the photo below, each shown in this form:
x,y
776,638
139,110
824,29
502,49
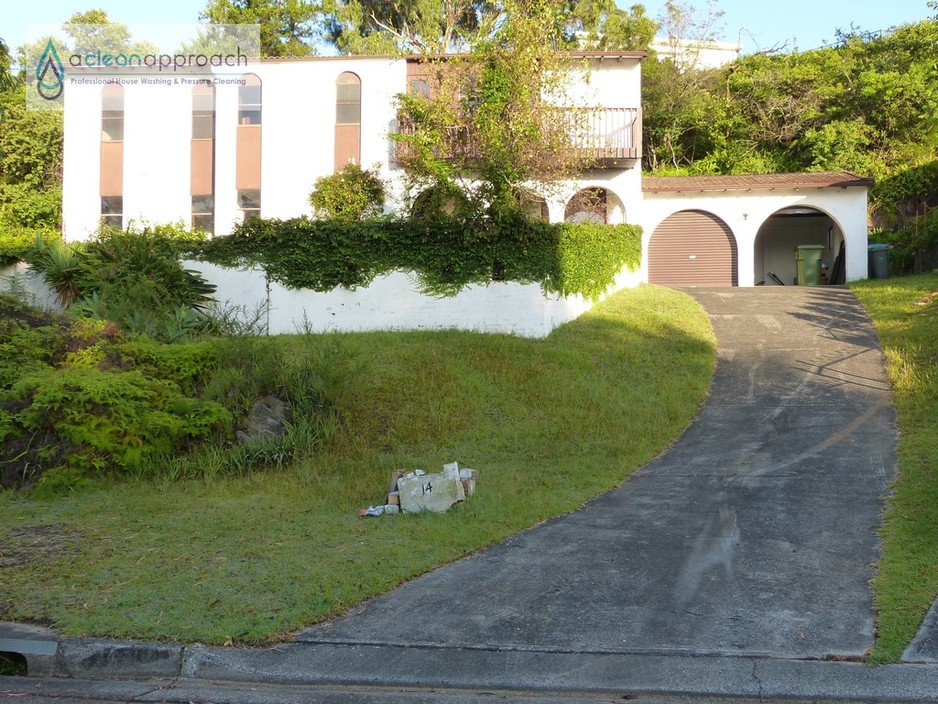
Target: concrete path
x,y
753,535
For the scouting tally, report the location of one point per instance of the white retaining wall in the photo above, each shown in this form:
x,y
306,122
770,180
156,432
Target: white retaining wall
x,y
390,302
394,302
18,277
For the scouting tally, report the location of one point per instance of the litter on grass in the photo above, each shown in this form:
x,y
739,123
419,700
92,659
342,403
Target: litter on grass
x,y
416,491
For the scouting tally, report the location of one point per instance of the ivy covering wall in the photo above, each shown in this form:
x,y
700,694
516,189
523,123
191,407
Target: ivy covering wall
x,y
446,254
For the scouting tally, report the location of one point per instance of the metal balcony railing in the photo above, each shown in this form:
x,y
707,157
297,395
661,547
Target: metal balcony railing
x,y
604,137
607,136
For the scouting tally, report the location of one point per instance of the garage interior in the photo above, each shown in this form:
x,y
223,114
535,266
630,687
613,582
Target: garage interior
x,y
782,233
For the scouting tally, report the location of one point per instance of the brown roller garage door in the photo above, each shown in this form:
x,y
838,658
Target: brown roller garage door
x,y
692,248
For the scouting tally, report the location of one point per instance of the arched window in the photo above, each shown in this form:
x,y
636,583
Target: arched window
x,y
248,168
202,175
348,118
112,155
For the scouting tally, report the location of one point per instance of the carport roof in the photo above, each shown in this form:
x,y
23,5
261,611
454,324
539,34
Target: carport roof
x,y
755,182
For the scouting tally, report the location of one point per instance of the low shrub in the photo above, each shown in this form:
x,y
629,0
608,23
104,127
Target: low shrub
x,y
132,277
81,399
917,241
351,193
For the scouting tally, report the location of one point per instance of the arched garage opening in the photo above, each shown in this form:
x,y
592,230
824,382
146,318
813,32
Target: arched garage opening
x,y
693,248
783,232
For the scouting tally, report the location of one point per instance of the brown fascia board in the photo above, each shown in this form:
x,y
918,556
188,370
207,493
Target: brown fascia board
x,y
590,55
338,57
754,182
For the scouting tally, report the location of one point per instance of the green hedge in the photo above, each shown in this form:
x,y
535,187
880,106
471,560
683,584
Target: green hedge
x,y
446,254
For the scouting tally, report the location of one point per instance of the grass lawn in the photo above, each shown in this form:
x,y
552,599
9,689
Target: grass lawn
x,y
907,577
547,423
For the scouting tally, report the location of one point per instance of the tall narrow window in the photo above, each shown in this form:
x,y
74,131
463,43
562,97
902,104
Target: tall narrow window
x,y
112,211
348,118
111,186
203,213
248,166
202,165
249,202
203,111
249,101
112,113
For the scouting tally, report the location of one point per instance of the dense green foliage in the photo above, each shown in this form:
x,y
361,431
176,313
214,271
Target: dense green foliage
x,y
132,277
80,399
352,193
287,27
914,247
445,253
30,173
868,105
76,401
428,27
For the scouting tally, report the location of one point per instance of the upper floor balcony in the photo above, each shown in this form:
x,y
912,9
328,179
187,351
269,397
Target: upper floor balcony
x,y
604,138
607,138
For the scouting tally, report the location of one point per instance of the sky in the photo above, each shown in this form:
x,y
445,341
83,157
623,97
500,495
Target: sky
x,y
756,25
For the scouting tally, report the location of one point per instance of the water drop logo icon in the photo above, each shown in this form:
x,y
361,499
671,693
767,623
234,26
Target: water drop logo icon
x,y
50,73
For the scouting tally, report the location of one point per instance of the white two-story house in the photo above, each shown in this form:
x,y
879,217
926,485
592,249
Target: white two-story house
x,y
211,148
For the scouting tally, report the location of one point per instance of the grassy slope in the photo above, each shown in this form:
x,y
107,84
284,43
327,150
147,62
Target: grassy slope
x,y
548,424
907,576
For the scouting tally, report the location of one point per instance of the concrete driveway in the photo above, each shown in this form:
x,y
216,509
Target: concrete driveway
x,y
754,534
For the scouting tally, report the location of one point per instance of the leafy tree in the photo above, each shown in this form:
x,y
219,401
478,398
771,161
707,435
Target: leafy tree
x,y
494,120
287,27
431,27
89,31
7,80
684,114
414,26
602,25
682,21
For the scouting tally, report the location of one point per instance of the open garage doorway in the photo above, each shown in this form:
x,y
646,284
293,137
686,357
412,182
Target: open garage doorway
x,y
783,232
692,248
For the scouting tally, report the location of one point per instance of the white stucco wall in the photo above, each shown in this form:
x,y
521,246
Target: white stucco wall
x,y
394,302
298,138
81,167
746,212
613,83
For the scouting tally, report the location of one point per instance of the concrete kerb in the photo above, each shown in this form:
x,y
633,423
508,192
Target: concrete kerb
x,y
655,674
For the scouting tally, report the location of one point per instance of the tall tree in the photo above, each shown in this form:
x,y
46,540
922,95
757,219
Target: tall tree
x,y
452,26
496,119
287,27
7,80
412,26
603,25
